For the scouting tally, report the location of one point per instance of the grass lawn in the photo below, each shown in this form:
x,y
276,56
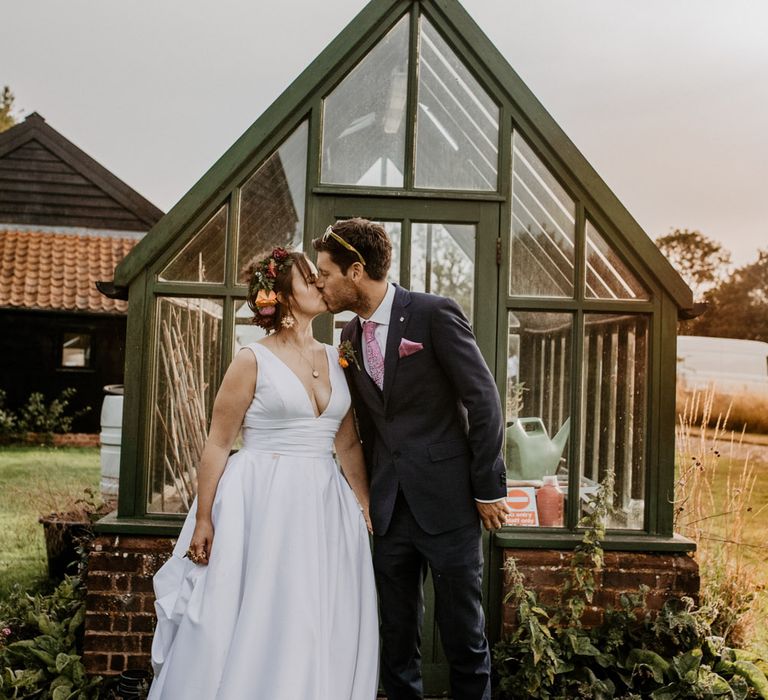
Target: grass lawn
x,y
755,537
35,481
755,532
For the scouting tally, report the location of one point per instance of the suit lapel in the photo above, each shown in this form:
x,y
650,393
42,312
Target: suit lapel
x,y
398,321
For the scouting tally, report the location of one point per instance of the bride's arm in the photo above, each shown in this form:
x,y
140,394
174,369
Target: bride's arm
x,y
350,454
232,400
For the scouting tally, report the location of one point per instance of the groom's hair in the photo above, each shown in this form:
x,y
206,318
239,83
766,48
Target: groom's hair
x,y
367,238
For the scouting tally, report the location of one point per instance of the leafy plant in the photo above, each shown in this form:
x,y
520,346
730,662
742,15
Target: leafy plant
x,y
7,417
632,655
40,645
39,417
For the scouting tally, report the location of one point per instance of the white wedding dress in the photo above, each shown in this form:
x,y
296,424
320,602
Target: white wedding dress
x,y
286,607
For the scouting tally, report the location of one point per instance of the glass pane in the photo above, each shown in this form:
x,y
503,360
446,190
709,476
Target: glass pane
x,y
538,416
543,229
443,261
187,376
76,350
607,275
272,201
614,412
394,230
457,123
364,117
202,259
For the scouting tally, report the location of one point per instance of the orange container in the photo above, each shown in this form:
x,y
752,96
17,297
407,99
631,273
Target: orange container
x,y
550,502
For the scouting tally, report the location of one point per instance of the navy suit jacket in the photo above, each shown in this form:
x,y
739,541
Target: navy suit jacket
x,y
436,428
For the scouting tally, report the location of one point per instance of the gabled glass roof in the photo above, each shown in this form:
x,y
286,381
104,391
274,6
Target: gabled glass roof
x,y
542,261
202,259
608,277
364,117
455,121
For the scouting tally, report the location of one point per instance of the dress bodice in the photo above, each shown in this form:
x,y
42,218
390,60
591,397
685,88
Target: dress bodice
x,y
281,418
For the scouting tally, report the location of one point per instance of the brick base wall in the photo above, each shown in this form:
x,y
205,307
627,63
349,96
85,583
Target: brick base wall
x,y
120,612
666,574
55,439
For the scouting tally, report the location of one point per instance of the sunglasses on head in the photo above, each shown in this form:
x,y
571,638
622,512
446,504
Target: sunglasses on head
x,y
330,233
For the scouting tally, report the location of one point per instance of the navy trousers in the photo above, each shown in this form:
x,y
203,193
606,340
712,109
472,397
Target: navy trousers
x,y
400,560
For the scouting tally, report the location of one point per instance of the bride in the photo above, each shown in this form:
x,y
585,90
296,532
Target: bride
x,y
269,593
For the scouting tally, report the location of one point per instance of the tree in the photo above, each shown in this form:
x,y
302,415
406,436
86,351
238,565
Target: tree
x,y
7,120
701,261
738,307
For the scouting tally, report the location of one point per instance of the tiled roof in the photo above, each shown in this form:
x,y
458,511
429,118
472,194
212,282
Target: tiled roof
x,y
59,271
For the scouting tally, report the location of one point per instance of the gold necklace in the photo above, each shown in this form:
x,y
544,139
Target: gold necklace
x,y
315,373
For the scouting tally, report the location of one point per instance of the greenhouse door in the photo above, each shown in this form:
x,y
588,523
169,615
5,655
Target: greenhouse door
x,y
444,247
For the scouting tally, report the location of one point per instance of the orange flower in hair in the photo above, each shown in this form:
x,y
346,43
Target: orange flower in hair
x,y
266,302
263,276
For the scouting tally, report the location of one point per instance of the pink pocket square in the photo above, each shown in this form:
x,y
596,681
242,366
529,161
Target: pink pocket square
x,y
408,347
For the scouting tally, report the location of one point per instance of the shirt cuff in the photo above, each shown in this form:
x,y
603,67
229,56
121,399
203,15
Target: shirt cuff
x,y
495,500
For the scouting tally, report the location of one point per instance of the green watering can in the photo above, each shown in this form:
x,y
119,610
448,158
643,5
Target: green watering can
x,y
531,454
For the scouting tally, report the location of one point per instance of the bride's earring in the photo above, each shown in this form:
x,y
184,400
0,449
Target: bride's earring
x,y
287,321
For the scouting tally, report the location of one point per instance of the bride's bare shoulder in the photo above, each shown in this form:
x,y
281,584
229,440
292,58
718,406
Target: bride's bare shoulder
x,y
244,365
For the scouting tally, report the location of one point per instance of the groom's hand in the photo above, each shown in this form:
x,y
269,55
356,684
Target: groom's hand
x,y
493,515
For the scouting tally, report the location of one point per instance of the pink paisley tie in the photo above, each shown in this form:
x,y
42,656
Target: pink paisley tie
x,y
373,353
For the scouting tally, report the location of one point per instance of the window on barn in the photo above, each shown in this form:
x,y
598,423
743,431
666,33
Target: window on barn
x,y
76,350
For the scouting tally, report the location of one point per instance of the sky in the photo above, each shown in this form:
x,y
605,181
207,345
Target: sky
x,y
667,99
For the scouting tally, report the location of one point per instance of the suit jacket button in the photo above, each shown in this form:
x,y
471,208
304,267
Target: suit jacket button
x,y
396,454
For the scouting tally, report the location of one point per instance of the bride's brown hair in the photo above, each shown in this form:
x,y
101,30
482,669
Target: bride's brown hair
x,y
282,284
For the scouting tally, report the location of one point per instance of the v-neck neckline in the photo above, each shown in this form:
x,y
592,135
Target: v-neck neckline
x,y
303,387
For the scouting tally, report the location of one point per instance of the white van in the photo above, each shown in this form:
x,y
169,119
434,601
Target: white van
x,y
733,366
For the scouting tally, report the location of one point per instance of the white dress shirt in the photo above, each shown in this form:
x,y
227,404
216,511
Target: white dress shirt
x,y
382,317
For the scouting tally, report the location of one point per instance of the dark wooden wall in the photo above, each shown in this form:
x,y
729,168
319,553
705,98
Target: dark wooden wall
x,y
39,187
30,355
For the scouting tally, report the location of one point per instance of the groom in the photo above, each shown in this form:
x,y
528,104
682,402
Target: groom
x,y
431,426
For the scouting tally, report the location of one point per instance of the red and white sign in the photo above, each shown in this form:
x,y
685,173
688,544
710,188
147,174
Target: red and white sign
x,y
522,502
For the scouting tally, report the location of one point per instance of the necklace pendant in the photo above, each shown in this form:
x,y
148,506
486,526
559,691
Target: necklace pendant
x,y
315,373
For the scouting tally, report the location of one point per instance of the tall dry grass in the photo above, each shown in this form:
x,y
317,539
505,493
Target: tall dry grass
x,y
713,506
746,410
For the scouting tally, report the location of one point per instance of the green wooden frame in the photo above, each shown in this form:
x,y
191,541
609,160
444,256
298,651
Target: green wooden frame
x,y
519,110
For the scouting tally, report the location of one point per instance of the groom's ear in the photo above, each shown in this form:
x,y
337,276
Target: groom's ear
x,y
356,272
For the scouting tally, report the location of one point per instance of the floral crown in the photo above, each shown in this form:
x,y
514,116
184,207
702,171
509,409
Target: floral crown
x,y
262,283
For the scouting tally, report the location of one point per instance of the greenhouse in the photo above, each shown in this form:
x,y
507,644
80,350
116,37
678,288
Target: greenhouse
x,y
411,117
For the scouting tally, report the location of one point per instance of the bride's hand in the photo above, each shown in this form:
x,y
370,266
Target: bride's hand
x,y
201,542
